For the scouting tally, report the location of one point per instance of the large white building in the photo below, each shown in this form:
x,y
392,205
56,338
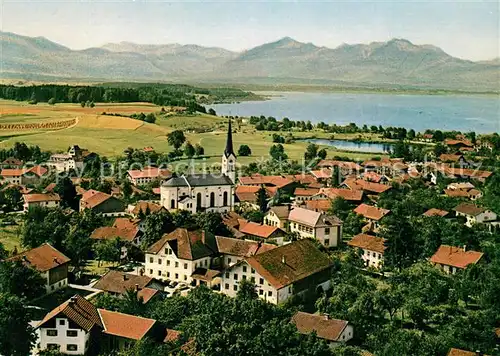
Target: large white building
x,y
327,229
280,273
203,192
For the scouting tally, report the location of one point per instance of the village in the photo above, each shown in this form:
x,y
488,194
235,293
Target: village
x,y
278,237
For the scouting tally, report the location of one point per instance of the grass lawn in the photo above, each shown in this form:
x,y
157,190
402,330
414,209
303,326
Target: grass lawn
x,y
10,237
111,135
92,267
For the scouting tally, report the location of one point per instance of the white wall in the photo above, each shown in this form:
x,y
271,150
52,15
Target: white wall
x,y
63,340
175,193
372,258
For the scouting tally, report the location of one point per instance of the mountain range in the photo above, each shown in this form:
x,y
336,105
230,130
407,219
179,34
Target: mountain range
x,y
394,64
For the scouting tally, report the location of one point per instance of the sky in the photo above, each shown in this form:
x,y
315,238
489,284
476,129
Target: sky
x,y
464,29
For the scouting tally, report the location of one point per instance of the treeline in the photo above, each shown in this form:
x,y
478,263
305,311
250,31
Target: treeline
x,y
166,96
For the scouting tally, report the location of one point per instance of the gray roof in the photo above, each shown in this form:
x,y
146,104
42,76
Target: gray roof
x,y
197,180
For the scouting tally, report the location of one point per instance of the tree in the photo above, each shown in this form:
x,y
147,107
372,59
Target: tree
x,y
247,290
438,136
244,150
277,152
439,149
52,101
262,198
199,150
44,225
67,191
17,336
311,152
411,134
341,207
150,118
109,250
176,139
11,199
402,246
189,150
322,153
20,280
353,224
336,179
155,225
212,112
126,188
212,222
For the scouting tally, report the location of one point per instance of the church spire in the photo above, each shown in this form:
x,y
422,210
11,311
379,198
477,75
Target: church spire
x,y
229,142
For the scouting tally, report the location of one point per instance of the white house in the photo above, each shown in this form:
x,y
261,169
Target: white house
x,y
280,273
373,249
147,175
277,216
327,229
450,259
51,200
177,255
49,262
68,327
333,331
475,214
63,162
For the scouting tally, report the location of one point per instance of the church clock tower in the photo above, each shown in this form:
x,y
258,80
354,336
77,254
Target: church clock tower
x,y
228,157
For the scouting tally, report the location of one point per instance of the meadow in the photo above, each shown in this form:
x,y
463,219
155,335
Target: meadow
x,y
111,135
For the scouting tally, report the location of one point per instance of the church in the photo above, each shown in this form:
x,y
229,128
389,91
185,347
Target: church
x,y
203,192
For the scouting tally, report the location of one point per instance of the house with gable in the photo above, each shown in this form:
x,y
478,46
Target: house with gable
x,y
103,203
24,176
49,262
372,248
475,214
280,273
277,216
450,259
333,331
31,200
325,228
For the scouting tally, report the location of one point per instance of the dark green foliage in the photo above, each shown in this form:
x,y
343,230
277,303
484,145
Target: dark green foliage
x,y
176,139
277,152
189,150
244,150
21,281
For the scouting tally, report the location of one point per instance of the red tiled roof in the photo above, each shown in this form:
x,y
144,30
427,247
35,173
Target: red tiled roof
x,y
92,198
312,218
156,191
171,335
22,188
187,245
126,223
347,194
16,172
323,173
325,328
371,212
360,184
50,188
119,282
372,177
281,211
149,172
302,259
368,242
455,256
36,197
144,206
303,178
306,192
242,248
353,166
248,193
436,212
254,229
42,258
77,309
146,294
469,209
450,158
125,325
111,232
458,352
319,204
451,142
456,193
258,179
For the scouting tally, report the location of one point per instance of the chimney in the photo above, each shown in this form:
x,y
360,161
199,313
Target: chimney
x,y
283,259
125,277
72,300
327,316
136,287
465,248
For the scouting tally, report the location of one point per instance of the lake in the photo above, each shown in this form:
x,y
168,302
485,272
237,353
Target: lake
x,y
343,145
420,112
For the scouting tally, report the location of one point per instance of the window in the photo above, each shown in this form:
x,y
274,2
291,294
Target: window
x,y
228,260
224,199
252,279
235,276
62,322
269,293
159,261
71,333
235,287
177,276
198,201
261,292
168,274
212,199
172,204
379,256
226,285
261,281
52,347
290,289
327,242
150,271
71,347
227,274
185,266
51,332
166,251
244,277
185,277
168,262
252,270
176,264
327,231
159,273
244,268
151,260
373,254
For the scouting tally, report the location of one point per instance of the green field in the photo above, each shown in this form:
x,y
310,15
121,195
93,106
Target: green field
x,y
9,237
111,135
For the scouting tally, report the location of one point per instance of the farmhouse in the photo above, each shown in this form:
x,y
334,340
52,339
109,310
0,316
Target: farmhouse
x,y
303,194
450,259
146,207
280,273
365,186
43,200
247,196
333,331
371,213
51,263
277,216
23,176
235,250
354,196
327,229
319,205
475,214
147,175
118,283
373,249
101,203
436,212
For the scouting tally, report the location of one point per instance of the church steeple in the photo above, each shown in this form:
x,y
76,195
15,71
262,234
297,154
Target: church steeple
x,y
229,142
228,157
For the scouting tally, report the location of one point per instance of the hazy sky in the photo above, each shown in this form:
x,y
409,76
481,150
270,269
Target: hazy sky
x,y
468,29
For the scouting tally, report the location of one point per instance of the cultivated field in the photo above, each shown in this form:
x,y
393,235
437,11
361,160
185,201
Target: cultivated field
x,y
111,135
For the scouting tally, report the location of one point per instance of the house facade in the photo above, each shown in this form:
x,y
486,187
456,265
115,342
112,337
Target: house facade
x,y
32,175
102,203
327,229
451,259
277,216
52,200
147,175
372,249
333,331
475,214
